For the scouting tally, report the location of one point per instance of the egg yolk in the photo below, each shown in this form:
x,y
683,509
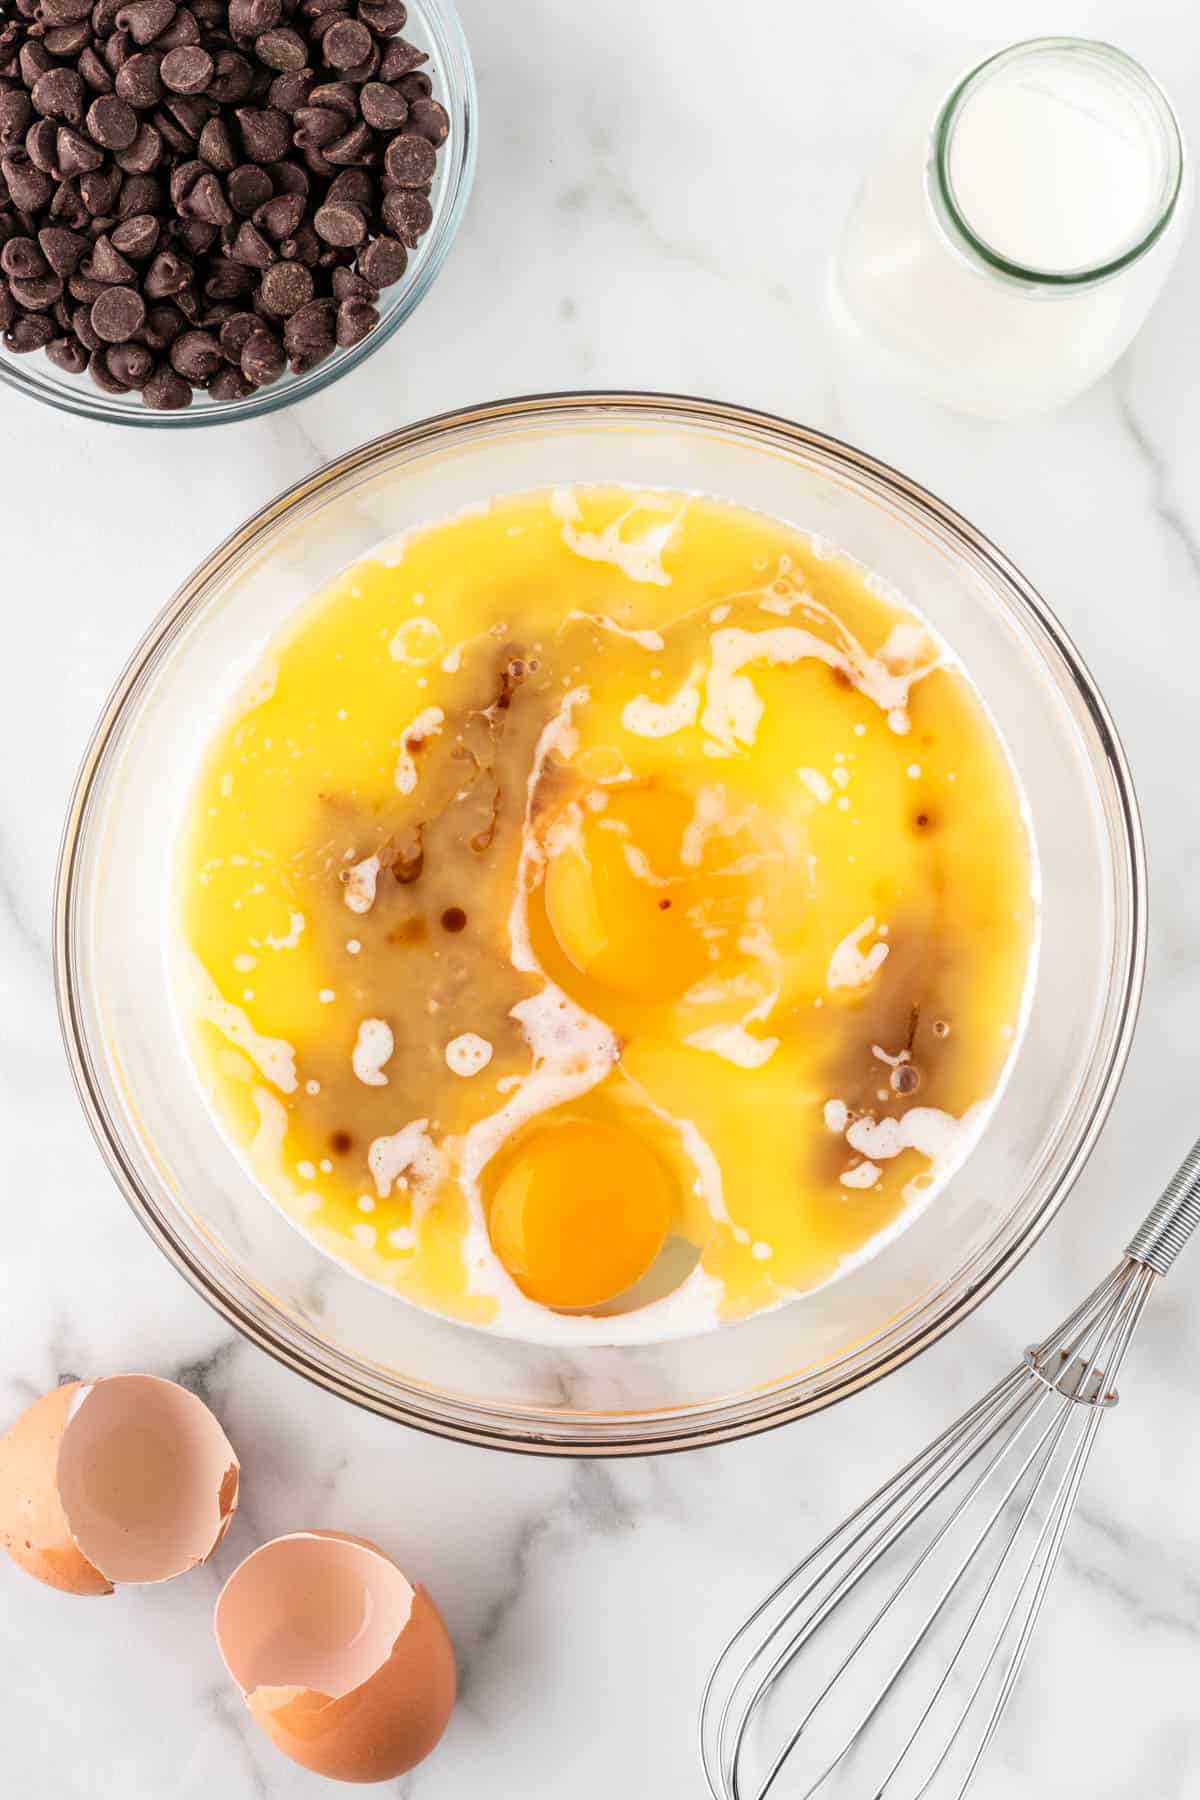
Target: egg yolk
x,y
580,1214
640,899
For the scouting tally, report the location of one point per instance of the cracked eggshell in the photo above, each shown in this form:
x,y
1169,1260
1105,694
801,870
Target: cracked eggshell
x,y
342,1661
123,1480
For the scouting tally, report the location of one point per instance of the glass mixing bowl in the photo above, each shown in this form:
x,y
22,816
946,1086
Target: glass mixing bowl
x,y
433,25
192,1193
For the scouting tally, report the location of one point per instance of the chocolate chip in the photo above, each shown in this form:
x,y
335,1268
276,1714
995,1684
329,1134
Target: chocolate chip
x,y
430,119
146,19
32,332
67,354
383,261
131,363
235,331
196,355
384,17
250,248
145,152
347,285
16,116
265,134
317,125
29,189
106,264
83,287
58,94
290,92
303,246
99,189
341,224
112,123
197,236
34,61
250,18
172,133
317,163
365,71
228,281
345,43
248,188
407,214
138,82
188,70
383,107
181,33
233,78
167,275
95,74
62,249
409,161
280,217
76,153
41,146
355,320
23,258
289,178
282,49
399,59
139,194
286,288
68,40
311,333
104,377
38,293
207,203
230,384
118,314
416,86
191,112
81,325
163,325
166,391
117,50
263,359
337,96
353,148
353,185
136,237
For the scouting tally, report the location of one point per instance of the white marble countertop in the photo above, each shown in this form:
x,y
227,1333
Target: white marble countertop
x,y
659,188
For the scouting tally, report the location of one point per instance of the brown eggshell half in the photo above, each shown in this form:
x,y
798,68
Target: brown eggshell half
x,y
33,1525
128,1479
344,1663
147,1478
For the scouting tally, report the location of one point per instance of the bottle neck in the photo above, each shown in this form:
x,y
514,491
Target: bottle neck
x,y
1024,156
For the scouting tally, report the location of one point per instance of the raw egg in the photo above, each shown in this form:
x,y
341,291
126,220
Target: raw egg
x,y
580,1212
124,1480
342,1661
639,899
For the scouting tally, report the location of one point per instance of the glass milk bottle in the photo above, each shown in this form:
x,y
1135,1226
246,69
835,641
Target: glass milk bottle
x,y
1010,241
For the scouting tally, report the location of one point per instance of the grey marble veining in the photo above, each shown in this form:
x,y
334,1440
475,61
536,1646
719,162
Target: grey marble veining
x,y
659,189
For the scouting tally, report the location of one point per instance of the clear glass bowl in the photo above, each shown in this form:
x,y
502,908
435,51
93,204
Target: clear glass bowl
x,y
192,1193
434,25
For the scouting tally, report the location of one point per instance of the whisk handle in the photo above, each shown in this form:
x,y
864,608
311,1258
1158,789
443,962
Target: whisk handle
x,y
1173,1220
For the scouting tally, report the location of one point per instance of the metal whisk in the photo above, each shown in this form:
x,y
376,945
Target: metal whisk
x,y
879,1668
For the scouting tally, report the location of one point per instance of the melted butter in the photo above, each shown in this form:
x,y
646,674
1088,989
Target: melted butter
x,y
843,849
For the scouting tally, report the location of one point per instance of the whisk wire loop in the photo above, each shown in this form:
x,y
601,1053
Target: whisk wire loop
x,y
985,1508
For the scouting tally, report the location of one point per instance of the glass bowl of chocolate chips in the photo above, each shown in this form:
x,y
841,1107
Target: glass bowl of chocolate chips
x,y
211,209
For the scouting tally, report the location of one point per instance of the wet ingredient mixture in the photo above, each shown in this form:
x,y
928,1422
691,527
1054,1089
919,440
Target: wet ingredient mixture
x,y
604,914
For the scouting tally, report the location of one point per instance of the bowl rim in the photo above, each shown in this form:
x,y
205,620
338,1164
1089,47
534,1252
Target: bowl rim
x,y
728,1419
398,303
